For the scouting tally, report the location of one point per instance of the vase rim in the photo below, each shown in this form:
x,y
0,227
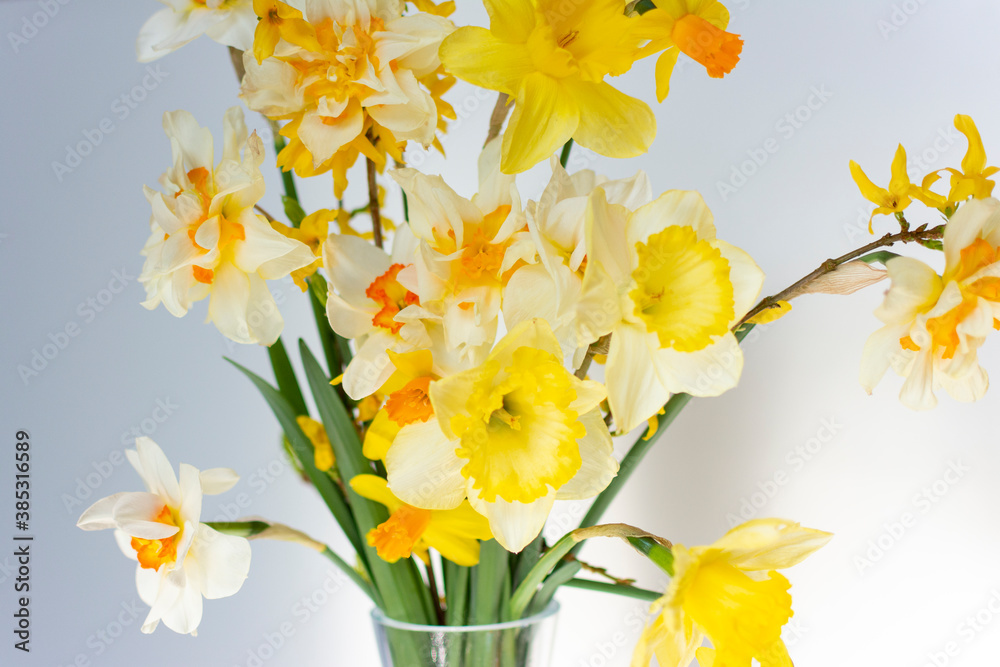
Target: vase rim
x,y
379,617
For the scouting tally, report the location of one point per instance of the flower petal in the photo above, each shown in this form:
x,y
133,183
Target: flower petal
x,y
422,468
770,544
545,117
223,562
610,122
100,515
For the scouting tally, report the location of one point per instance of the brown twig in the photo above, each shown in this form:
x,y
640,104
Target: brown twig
x,y
497,118
270,218
600,346
435,595
599,571
237,58
373,206
906,236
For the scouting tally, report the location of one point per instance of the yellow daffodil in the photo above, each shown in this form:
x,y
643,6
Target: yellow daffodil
x,y
696,28
228,22
206,239
513,435
551,57
731,593
973,180
454,533
668,292
407,400
934,325
323,457
351,78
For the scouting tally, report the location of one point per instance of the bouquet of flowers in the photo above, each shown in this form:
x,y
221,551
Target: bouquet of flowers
x,y
479,354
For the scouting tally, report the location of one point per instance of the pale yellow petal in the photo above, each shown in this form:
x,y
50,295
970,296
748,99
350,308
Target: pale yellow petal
x,y
770,544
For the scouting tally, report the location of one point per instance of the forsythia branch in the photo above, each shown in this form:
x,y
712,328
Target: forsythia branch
x,y
906,236
373,206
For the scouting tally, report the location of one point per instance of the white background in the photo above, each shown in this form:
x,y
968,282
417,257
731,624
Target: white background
x,y
894,72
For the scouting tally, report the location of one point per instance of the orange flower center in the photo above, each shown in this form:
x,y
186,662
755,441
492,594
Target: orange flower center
x,y
716,49
154,553
411,403
392,297
395,538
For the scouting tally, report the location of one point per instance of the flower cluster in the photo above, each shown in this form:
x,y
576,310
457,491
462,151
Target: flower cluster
x,y
936,323
481,354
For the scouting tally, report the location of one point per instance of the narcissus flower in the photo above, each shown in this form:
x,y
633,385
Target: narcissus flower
x,y
229,22
551,57
512,435
408,400
549,286
668,292
696,28
934,325
207,241
730,593
455,533
467,251
180,560
365,302
352,78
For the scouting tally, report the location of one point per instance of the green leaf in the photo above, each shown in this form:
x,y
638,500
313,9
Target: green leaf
x,y
285,376
560,576
656,552
328,490
524,593
400,585
293,210
933,244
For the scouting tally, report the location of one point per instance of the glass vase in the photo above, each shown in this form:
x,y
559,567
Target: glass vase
x,y
524,643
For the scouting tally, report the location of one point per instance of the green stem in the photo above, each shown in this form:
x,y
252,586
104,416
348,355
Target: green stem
x,y
456,588
564,156
614,589
287,177
631,462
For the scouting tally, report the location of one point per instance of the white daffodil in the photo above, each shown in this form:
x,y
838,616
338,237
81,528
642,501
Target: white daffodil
x,y
934,325
468,249
228,22
668,292
207,241
181,560
367,302
513,436
352,77
551,284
